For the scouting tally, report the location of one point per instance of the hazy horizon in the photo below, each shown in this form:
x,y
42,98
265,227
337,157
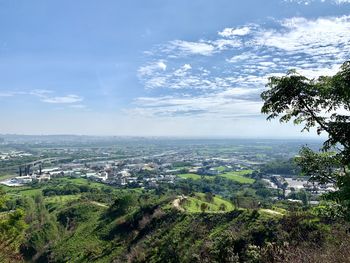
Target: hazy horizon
x,y
150,137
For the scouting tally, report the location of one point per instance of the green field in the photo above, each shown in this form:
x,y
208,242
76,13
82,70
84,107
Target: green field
x,y
272,213
220,168
193,204
239,176
6,176
195,176
29,190
61,198
81,181
21,190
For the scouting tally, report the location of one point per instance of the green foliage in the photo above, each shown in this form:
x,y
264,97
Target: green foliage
x,y
137,228
280,167
12,226
2,198
74,214
68,189
120,206
303,100
42,231
207,202
209,197
195,176
239,176
322,103
328,210
79,241
221,168
300,195
320,167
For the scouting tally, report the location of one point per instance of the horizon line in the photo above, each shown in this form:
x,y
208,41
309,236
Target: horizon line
x,y
317,138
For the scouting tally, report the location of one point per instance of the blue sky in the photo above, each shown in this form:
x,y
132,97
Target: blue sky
x,y
173,68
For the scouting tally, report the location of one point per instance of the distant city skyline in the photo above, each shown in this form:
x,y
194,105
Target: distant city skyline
x,y
160,67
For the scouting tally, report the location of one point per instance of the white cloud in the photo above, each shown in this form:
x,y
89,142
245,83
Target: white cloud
x,y
232,32
232,71
151,68
242,57
322,36
78,106
156,82
182,48
45,96
42,93
191,48
267,64
308,2
316,72
186,67
181,72
224,44
232,102
62,99
6,94
161,65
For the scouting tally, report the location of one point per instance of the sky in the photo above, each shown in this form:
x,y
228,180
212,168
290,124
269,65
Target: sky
x,y
160,67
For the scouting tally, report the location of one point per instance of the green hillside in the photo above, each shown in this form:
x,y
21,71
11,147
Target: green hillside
x,y
195,176
98,223
198,203
239,176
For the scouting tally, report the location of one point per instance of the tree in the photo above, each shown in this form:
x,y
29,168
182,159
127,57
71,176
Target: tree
x,y
2,198
12,227
120,206
209,197
222,207
203,207
323,103
284,188
42,231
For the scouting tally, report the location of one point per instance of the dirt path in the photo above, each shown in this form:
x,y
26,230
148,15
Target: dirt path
x,y
271,212
176,203
99,204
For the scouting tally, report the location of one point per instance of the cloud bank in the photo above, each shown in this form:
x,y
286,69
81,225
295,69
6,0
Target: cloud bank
x,y
223,76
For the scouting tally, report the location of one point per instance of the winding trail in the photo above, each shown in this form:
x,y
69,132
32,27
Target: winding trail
x,y
176,203
273,212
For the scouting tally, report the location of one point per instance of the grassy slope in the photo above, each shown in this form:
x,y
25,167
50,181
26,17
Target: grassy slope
x,y
220,168
239,176
81,181
83,245
194,176
193,204
28,190
171,234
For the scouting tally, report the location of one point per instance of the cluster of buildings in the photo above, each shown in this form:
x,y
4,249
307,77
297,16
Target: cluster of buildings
x,y
13,155
294,184
147,171
112,173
